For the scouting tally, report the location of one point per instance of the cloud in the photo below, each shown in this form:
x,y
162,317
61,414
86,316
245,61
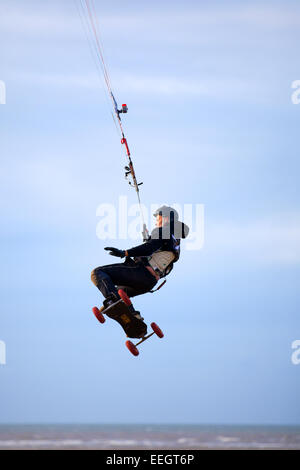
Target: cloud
x,y
222,88
64,81
210,86
21,19
226,53
32,19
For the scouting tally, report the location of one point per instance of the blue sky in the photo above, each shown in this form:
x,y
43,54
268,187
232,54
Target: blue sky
x,y
210,121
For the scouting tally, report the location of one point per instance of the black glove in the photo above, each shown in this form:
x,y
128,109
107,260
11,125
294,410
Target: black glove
x,y
115,251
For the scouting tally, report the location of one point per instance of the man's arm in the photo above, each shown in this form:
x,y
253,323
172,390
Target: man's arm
x,y
145,249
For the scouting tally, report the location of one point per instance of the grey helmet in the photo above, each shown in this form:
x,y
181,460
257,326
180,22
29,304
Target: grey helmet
x,y
167,211
179,229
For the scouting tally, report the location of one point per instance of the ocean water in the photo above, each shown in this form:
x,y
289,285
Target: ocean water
x,y
132,437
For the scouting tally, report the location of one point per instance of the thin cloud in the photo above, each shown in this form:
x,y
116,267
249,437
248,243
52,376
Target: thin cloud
x,y
207,86
21,19
220,88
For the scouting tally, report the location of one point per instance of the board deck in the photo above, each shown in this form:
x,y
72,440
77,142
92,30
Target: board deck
x,y
133,327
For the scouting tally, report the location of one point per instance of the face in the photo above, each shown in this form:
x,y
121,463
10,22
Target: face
x,y
160,220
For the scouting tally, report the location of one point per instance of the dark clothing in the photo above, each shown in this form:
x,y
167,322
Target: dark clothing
x,y
132,277
161,239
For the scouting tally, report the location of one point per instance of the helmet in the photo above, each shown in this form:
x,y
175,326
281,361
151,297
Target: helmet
x,y
167,211
179,229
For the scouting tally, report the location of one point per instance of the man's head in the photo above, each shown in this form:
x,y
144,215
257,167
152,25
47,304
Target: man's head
x,y
160,220
165,215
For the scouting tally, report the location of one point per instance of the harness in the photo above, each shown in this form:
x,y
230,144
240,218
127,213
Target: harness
x,y
161,261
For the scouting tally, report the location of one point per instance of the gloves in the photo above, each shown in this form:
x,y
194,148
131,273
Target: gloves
x,y
115,252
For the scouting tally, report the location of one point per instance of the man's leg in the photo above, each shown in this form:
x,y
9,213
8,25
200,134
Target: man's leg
x,y
103,281
134,277
101,278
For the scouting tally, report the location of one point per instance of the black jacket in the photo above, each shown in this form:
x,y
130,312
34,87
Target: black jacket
x,y
162,238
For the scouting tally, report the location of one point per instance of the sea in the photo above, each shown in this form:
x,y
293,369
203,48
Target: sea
x,y
148,437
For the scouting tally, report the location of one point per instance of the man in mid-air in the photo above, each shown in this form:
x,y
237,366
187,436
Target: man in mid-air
x,y
144,264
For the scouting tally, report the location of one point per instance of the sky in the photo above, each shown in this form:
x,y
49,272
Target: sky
x,y
210,122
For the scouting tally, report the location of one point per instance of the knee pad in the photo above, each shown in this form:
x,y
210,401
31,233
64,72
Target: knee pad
x,y
97,275
94,276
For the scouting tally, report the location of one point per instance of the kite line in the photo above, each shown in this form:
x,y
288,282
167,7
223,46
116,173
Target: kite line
x,y
89,19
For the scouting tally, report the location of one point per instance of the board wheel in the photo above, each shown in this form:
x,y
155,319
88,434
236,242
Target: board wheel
x,y
157,330
124,297
132,348
98,314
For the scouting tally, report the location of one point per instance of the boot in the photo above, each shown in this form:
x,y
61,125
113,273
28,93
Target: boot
x,y
137,315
